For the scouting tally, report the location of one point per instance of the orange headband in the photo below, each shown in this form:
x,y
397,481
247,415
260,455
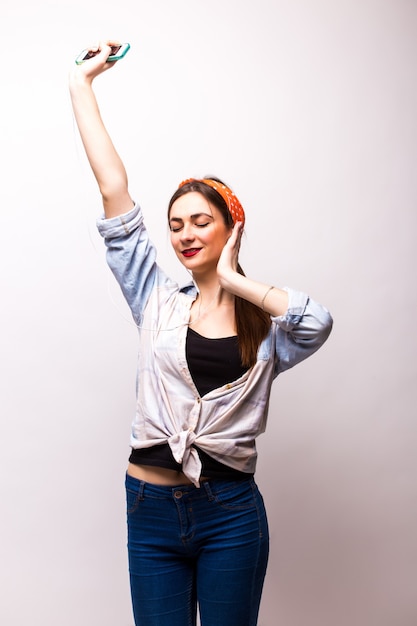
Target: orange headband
x,y
233,204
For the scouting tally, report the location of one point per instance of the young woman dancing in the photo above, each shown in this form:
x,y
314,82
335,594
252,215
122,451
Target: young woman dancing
x,y
208,354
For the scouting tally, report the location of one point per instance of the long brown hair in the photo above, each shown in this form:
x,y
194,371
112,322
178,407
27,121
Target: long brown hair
x,y
252,323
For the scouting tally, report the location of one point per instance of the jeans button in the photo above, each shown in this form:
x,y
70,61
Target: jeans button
x,y
178,494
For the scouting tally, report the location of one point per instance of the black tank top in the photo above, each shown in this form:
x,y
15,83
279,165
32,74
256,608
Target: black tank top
x,y
212,364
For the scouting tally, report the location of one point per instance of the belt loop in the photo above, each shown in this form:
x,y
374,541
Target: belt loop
x,y
141,490
206,485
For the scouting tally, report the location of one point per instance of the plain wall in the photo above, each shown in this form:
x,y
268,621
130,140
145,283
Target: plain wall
x,y
308,110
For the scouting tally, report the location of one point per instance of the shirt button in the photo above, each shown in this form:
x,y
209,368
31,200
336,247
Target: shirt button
x,y
178,494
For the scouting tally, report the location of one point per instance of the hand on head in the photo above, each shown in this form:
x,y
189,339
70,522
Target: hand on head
x,y
229,257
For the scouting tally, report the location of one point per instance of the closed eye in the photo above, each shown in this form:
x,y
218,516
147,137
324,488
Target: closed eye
x,y
176,229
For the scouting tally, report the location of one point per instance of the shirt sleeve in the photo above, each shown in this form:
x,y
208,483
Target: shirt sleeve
x,y
301,331
131,257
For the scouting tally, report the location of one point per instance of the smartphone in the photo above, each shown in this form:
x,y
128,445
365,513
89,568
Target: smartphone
x,y
117,52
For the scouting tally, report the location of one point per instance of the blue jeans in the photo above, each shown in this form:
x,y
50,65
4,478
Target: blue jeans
x,y
189,545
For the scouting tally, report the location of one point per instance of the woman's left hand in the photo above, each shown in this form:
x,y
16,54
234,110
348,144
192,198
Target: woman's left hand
x,y
228,261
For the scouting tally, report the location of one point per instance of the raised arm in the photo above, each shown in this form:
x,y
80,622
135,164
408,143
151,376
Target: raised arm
x,y
104,160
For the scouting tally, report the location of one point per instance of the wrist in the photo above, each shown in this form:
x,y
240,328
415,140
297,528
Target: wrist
x,y
78,81
230,281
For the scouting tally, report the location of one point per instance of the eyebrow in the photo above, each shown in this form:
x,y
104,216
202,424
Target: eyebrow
x,y
194,216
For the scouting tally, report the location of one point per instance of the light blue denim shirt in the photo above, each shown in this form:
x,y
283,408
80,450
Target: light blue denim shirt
x,y
226,421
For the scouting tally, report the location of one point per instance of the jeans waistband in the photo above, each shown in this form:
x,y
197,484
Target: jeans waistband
x,y
207,487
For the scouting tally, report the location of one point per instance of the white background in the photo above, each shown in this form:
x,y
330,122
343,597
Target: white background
x,y
307,108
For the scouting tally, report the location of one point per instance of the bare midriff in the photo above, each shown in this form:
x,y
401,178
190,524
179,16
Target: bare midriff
x,y
158,475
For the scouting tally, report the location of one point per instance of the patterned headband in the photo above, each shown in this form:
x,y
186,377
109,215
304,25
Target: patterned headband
x,y
233,204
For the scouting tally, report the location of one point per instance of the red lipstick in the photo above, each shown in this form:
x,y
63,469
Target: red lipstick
x,y
190,252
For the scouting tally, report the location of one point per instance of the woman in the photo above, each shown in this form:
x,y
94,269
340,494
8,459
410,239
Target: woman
x,y
208,353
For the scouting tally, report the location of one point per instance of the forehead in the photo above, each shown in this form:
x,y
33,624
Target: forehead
x,y
192,203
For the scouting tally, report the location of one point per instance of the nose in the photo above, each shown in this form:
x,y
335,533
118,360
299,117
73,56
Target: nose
x,y
187,233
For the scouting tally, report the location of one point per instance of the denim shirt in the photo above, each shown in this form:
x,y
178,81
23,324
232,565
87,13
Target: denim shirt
x,y
226,421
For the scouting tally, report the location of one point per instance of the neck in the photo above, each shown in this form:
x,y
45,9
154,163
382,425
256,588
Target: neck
x,y
210,291
213,312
